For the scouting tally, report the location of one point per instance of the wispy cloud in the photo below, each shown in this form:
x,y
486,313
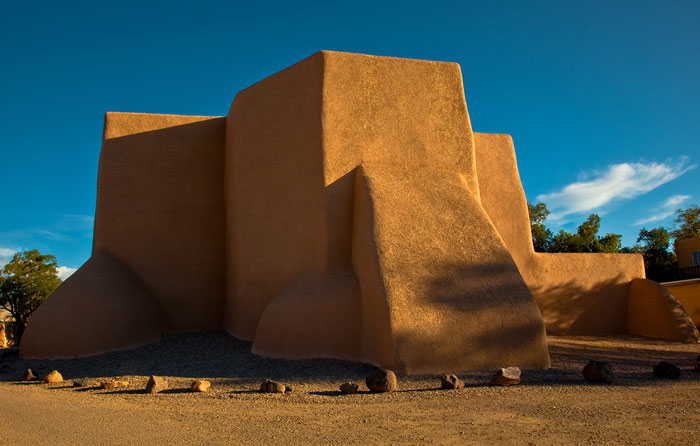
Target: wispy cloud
x,y
64,272
665,210
6,255
75,223
63,231
619,182
6,252
50,235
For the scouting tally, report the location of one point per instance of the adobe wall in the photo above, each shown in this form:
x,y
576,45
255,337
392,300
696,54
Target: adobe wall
x,y
274,191
101,307
684,248
344,208
655,312
160,202
688,294
577,293
382,194
158,260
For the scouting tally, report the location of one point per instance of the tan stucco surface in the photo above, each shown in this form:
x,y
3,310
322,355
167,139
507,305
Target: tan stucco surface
x,y
577,293
684,248
274,191
158,246
655,312
101,307
159,210
373,167
343,208
688,294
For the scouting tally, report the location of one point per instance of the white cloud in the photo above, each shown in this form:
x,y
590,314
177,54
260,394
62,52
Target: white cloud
x,y
619,182
64,272
7,252
665,210
6,255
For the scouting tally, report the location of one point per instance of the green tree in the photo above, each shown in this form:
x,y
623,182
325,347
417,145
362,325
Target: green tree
x,y
25,283
566,242
541,236
610,242
586,239
687,223
659,262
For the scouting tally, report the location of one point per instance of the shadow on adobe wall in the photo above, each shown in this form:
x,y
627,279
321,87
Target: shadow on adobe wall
x,y
491,288
478,314
487,283
160,218
160,211
569,308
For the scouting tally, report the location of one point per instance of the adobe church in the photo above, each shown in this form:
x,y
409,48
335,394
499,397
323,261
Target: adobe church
x,y
343,208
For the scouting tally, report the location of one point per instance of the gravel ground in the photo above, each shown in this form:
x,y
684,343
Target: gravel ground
x,y
549,406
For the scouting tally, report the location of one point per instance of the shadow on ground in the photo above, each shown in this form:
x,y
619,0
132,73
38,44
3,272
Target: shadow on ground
x,y
211,354
217,355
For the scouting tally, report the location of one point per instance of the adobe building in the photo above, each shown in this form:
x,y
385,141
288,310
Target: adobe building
x,y
343,208
688,294
688,252
687,289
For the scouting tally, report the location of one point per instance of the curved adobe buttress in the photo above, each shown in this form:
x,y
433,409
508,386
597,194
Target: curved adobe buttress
x,y
158,260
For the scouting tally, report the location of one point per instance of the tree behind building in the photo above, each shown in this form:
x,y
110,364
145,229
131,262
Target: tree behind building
x,y
585,239
687,223
25,283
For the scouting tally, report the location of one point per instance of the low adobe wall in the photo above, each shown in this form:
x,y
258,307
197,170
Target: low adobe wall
x,y
583,294
688,293
576,293
655,312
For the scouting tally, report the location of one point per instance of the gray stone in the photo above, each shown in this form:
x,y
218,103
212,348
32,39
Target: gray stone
x,y
113,384
82,382
508,376
381,381
349,388
598,372
156,384
450,382
269,386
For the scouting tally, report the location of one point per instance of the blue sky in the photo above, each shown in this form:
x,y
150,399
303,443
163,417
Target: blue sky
x,y
602,98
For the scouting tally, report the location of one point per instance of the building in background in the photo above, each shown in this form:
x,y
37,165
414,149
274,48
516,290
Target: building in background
x,y
688,253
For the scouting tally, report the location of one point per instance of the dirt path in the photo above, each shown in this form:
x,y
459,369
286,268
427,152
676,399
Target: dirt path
x,y
550,407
